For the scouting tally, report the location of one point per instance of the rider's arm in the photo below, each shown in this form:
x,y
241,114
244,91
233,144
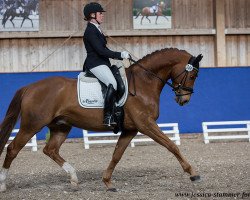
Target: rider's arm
x,y
101,49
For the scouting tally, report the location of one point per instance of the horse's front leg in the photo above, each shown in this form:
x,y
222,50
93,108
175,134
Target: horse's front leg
x,y
165,17
151,129
31,22
156,19
122,143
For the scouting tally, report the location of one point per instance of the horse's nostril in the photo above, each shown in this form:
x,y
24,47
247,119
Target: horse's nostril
x,y
185,102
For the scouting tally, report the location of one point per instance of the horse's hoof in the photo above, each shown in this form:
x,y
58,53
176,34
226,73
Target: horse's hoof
x,y
2,187
74,184
195,178
112,190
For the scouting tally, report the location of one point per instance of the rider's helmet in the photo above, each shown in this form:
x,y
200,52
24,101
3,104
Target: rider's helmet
x,y
92,8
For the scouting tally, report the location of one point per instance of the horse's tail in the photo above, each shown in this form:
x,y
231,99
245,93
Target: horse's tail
x,y
3,21
11,118
5,18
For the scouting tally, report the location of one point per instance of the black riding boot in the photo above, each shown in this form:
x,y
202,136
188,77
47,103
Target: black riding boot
x,y
109,105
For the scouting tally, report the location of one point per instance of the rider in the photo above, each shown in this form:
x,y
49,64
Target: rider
x,y
154,6
97,61
20,4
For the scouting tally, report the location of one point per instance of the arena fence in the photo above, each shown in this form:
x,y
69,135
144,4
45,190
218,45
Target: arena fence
x,y
109,137
226,130
32,143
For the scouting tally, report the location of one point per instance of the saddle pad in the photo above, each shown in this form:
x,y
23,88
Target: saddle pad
x,y
89,91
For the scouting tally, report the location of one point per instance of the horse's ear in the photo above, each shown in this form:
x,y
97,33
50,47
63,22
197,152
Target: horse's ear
x,y
198,58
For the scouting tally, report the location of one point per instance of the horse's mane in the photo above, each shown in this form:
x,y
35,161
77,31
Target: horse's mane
x,y
150,55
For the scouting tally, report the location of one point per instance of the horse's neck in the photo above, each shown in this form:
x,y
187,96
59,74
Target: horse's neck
x,y
159,67
149,75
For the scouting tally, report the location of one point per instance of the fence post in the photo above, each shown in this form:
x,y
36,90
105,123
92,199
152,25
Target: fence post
x,y
86,139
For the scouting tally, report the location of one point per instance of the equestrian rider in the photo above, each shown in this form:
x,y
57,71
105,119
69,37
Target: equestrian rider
x,y
19,5
97,61
154,6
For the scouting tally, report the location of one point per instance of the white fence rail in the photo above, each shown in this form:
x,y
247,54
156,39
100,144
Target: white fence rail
x,y
109,137
32,143
206,126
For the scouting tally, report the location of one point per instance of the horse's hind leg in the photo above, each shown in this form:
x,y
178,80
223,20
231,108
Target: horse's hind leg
x,y
58,134
148,19
22,22
11,20
142,18
13,149
123,142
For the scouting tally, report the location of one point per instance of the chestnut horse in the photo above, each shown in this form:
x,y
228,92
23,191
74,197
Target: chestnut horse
x,y
53,102
145,12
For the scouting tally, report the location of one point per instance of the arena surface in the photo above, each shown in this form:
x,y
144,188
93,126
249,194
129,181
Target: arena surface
x,y
145,172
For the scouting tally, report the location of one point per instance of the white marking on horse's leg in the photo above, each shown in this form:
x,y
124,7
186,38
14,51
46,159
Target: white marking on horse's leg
x,y
71,170
3,176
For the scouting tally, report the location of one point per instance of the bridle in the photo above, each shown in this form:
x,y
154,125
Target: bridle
x,y
180,86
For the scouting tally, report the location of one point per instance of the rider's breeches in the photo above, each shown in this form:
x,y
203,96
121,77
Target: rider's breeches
x,y
104,74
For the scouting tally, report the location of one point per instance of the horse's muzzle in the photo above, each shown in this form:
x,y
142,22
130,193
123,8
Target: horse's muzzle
x,y
182,100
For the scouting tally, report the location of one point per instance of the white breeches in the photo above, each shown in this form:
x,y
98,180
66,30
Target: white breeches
x,y
104,74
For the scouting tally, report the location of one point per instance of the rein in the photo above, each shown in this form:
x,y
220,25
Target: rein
x,y
181,86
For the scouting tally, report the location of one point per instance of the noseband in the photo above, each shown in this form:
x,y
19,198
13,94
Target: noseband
x,y
180,86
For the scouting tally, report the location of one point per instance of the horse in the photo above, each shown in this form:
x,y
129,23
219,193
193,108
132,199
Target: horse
x,y
53,102
146,12
11,12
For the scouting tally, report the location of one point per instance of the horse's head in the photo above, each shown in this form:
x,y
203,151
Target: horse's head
x,y
183,78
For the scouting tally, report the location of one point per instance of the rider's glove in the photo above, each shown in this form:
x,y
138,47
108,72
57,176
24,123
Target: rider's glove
x,y
125,55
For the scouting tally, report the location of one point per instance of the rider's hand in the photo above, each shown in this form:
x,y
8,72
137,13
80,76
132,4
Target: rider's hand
x,y
125,55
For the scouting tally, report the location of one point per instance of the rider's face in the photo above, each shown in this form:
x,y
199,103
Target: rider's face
x,y
100,17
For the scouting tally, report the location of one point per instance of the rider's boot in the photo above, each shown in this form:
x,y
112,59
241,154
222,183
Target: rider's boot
x,y
109,106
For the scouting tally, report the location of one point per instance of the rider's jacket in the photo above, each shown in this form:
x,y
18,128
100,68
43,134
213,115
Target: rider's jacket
x,y
97,51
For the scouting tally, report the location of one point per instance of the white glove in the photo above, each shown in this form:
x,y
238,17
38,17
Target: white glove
x,y
125,55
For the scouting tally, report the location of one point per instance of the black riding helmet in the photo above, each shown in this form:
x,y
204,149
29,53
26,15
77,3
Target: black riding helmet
x,y
92,8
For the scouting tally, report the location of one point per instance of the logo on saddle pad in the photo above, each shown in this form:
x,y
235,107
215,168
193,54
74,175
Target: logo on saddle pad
x,y
89,91
89,101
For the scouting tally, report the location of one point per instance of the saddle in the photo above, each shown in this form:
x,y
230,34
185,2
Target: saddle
x,y
91,92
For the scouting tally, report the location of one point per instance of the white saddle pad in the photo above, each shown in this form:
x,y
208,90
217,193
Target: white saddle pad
x,y
89,91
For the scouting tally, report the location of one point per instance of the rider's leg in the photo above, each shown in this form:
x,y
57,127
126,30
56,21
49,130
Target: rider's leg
x,y
109,106
104,74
